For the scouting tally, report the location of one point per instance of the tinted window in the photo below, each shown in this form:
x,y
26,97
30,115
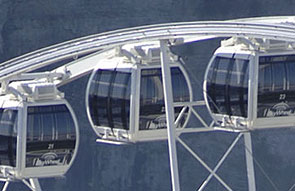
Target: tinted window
x,y
227,86
109,98
276,87
8,134
51,136
238,88
152,106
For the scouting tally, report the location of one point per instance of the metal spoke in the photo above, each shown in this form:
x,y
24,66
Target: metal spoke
x,y
5,186
200,118
249,161
221,161
35,184
182,112
204,164
169,110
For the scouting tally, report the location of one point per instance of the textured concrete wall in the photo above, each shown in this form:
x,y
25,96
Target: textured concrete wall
x,y
27,25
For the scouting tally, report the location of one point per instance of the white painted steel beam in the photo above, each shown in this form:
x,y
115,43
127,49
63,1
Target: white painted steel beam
x,y
249,162
5,186
188,31
169,109
35,184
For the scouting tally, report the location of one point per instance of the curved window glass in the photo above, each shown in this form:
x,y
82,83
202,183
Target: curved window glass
x,y
8,135
109,98
152,106
276,86
227,86
51,135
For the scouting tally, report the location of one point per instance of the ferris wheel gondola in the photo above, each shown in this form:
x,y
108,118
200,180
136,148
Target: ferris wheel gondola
x,y
125,98
39,131
251,85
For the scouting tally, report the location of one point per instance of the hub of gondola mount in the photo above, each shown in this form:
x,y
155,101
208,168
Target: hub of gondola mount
x,y
125,98
250,84
39,131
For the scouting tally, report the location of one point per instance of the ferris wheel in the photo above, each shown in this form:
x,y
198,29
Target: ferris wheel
x,y
139,90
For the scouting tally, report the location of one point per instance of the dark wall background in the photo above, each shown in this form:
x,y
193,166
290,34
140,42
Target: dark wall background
x,y
27,25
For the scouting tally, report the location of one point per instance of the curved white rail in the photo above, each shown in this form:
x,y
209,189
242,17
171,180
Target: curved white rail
x,y
278,28
188,31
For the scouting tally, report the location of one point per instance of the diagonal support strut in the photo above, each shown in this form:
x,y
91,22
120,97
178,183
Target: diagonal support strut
x,y
221,161
204,164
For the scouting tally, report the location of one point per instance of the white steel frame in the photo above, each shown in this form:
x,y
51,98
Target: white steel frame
x,y
172,135
275,28
31,183
169,109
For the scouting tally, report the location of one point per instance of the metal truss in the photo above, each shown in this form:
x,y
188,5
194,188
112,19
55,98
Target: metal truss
x,y
172,136
249,162
31,183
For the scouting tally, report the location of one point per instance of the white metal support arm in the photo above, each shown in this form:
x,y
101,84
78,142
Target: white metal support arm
x,y
33,184
249,161
169,109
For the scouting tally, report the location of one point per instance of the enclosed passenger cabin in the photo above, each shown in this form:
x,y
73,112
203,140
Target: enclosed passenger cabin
x,y
38,130
125,98
251,85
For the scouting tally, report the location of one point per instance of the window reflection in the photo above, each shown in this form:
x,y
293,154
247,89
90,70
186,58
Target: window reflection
x,y
47,123
50,134
8,134
276,87
109,98
152,106
227,86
